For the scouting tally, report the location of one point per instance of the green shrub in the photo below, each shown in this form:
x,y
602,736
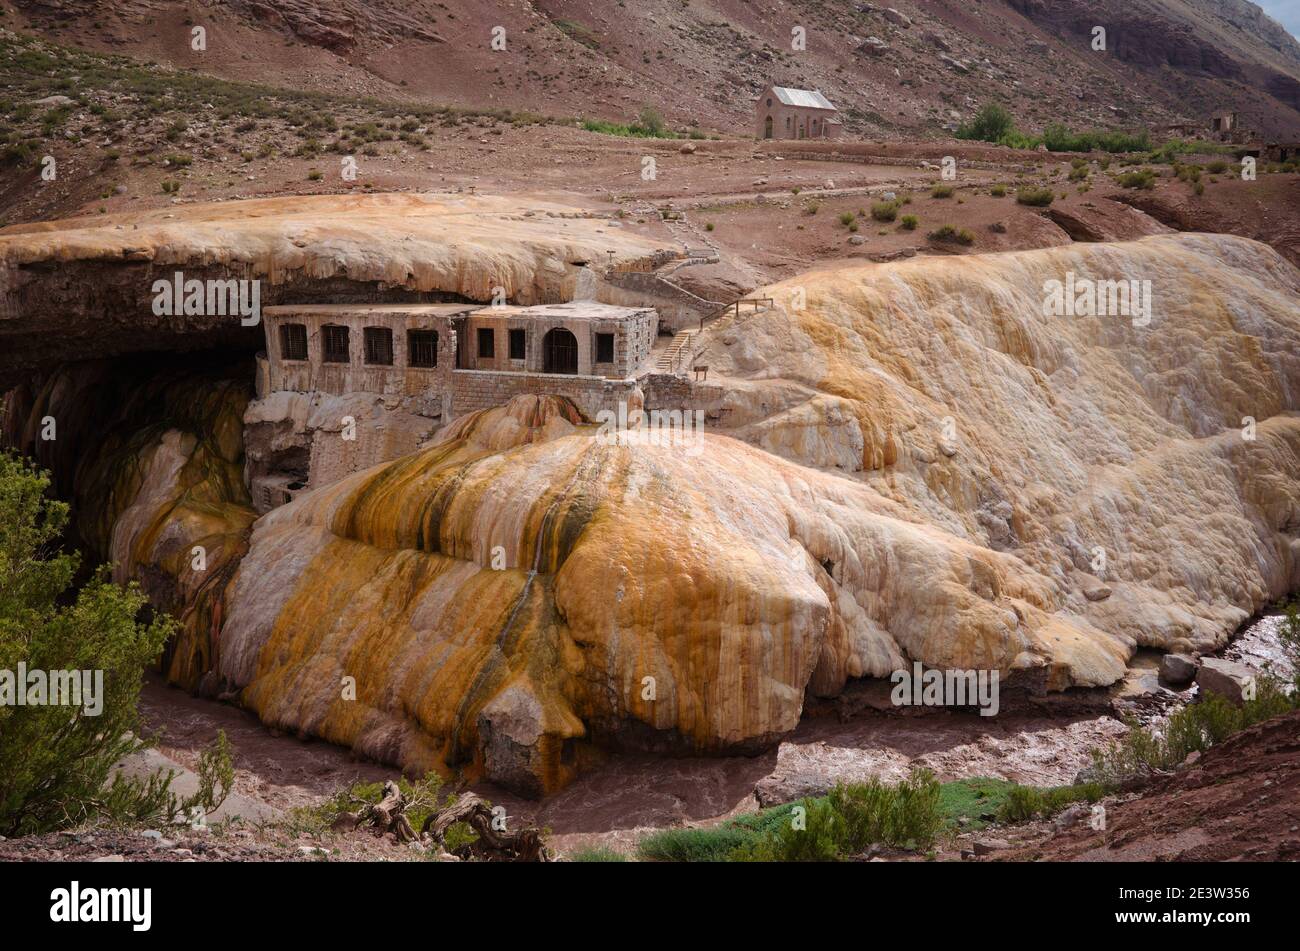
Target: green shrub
x,y
1192,729
1037,197
57,758
885,210
947,234
941,191
909,222
846,218
998,191
991,123
597,853
1142,178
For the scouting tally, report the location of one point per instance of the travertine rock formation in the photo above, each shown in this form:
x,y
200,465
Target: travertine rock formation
x,y
989,459
149,451
97,275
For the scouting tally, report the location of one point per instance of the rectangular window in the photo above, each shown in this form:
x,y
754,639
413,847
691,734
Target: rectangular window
x,y
379,346
604,348
487,345
517,344
422,348
335,342
293,342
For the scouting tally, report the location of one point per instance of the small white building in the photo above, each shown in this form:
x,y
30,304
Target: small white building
x,y
785,113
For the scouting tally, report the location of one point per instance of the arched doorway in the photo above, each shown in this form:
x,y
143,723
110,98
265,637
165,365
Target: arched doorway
x,y
767,128
560,351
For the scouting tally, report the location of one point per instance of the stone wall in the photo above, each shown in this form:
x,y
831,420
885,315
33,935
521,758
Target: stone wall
x,y
678,308
482,389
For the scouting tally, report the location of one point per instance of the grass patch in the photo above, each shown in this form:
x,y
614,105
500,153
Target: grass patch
x,y
941,191
597,853
840,825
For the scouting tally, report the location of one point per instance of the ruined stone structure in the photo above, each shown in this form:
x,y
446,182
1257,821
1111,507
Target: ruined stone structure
x,y
341,387
784,113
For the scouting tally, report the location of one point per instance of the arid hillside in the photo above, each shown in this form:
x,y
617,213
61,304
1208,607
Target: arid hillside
x,y
915,68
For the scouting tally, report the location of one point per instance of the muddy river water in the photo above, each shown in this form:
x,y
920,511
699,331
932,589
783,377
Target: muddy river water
x,y
1039,741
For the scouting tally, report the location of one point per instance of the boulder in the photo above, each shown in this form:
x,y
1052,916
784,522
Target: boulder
x,y
1227,678
897,18
873,46
1177,669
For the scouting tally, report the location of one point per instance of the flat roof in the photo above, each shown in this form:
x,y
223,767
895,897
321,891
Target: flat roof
x,y
413,310
573,310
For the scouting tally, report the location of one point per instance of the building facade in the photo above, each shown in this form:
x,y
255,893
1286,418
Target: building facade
x,y
785,113
467,355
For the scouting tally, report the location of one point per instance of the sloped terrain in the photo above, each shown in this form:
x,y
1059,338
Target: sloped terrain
x,y
1240,801
916,67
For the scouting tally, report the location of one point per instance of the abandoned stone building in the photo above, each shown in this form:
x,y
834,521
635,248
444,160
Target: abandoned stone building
x,y
458,352
784,113
400,371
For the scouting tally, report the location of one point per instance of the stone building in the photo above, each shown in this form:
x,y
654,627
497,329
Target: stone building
x,y
784,113
412,349
392,374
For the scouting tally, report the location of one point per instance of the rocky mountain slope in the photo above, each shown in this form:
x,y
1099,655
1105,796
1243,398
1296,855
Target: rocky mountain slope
x,y
916,67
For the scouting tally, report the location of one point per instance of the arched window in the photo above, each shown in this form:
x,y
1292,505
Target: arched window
x,y
560,351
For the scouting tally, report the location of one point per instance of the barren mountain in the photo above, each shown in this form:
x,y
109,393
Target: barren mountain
x,y
911,69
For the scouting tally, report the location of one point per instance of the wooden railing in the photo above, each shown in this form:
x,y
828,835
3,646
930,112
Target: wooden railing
x,y
734,307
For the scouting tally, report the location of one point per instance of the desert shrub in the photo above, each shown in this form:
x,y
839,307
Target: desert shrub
x,y
941,191
1192,729
998,191
1142,178
1023,803
171,186
818,840
947,234
314,176
846,218
1037,197
991,123
1078,173
909,222
57,757
884,210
